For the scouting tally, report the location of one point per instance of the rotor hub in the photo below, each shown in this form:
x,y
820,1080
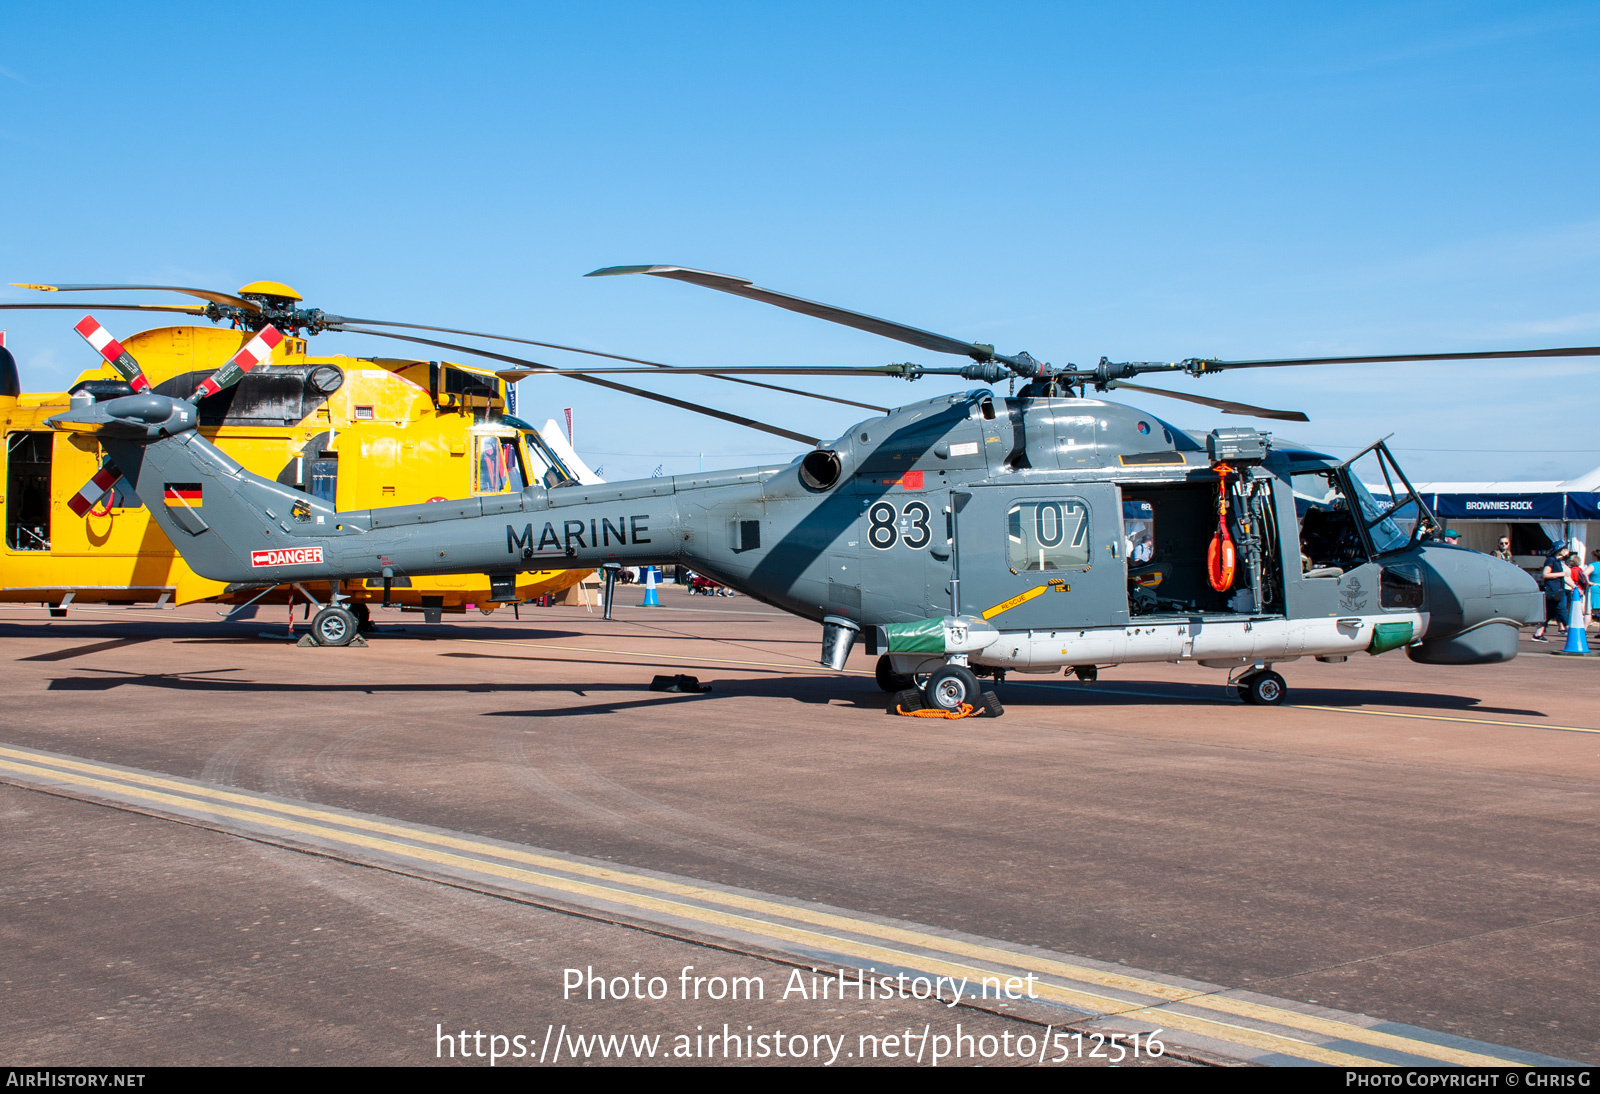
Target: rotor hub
x,y
273,292
277,304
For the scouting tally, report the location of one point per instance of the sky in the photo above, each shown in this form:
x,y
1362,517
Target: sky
x,y
1139,181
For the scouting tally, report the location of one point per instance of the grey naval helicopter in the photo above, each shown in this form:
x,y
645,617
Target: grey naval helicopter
x,y
968,535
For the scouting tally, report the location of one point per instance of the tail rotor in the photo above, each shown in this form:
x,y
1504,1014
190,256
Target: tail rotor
x,y
101,341
254,352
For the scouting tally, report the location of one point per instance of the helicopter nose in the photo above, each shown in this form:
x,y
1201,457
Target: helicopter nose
x,y
1475,604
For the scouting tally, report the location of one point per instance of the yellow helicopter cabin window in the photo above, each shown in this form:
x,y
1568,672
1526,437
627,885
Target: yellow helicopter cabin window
x,y
498,467
462,387
1047,535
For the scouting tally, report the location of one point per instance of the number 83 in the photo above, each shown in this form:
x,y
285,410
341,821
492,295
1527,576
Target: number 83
x,y
883,525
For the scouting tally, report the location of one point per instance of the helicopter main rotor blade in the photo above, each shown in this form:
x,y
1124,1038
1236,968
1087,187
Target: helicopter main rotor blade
x,y
1482,355
738,286
340,323
186,309
1220,404
535,366
747,370
204,294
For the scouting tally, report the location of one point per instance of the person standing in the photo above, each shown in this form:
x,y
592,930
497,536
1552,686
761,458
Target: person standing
x,y
1593,595
1502,550
1557,582
1582,579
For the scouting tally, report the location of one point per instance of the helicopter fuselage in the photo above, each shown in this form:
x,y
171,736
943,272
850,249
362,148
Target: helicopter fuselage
x,y
1023,534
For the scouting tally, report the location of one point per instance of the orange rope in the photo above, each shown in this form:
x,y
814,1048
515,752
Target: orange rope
x,y
967,710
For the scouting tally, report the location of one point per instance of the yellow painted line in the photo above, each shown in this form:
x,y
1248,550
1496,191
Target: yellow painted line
x,y
1020,598
1442,718
654,656
1083,1000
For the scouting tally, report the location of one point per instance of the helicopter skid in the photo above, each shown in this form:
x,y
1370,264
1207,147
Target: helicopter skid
x,y
1215,643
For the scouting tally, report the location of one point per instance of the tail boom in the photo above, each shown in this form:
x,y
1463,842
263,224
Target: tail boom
x,y
235,526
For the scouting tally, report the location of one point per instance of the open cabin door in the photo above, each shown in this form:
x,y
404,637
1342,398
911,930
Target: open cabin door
x,y
1042,558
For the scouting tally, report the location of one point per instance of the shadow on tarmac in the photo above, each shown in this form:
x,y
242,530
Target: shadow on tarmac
x,y
795,684
1165,694
192,681
106,635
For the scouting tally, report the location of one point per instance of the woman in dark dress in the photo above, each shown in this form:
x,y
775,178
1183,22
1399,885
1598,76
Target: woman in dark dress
x,y
1557,581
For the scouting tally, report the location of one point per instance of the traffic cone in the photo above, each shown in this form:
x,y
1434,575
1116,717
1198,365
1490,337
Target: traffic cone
x,y
651,600
1577,632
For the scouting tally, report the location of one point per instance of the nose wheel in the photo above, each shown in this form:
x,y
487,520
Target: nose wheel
x,y
1264,688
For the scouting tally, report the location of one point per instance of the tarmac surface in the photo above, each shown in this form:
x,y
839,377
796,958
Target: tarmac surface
x,y
223,848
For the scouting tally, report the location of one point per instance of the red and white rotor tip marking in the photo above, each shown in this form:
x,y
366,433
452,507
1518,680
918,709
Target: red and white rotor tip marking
x,y
111,349
255,351
93,490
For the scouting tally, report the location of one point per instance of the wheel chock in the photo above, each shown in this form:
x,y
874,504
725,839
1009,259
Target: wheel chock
x,y
679,683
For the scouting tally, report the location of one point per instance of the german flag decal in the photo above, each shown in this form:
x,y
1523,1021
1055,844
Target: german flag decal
x,y
186,494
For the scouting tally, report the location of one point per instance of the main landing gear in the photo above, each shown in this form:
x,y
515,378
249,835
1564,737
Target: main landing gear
x,y
950,687
334,626
341,622
947,688
1262,688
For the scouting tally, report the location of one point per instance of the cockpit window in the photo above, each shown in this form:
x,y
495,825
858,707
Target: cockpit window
x,y
1388,514
1386,534
498,466
1392,511
1329,538
554,471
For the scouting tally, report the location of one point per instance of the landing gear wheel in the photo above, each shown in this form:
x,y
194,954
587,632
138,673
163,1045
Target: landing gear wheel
x,y
363,616
1263,689
888,679
950,687
333,626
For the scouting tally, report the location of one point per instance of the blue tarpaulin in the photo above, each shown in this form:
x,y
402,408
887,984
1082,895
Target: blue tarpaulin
x,y
1584,506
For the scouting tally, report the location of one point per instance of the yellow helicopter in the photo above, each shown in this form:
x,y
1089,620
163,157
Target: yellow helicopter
x,y
353,431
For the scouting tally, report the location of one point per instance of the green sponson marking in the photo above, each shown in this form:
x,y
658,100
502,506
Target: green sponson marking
x,y
1389,636
923,636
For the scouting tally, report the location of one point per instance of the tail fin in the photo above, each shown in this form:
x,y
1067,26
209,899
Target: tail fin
x,y
229,524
